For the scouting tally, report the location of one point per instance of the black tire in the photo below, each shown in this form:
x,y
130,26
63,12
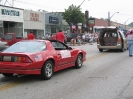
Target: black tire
x,y
7,74
79,61
47,70
122,49
101,50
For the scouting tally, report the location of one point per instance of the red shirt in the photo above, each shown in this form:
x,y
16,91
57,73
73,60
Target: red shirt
x,y
54,37
30,36
60,36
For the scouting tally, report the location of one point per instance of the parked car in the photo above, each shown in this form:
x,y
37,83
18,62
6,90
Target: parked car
x,y
42,57
11,38
3,45
72,35
111,38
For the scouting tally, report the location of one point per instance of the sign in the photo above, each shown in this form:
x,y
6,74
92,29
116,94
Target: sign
x,y
34,16
10,12
91,22
53,20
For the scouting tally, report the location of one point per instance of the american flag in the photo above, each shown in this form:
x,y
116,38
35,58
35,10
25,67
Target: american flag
x,y
73,26
38,57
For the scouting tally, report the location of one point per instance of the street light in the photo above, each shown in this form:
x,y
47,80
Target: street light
x,y
126,22
109,18
82,3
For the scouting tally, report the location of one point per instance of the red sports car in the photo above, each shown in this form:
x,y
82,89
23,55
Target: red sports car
x,y
43,57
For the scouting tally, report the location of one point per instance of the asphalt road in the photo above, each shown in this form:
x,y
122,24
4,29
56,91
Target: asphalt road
x,y
106,75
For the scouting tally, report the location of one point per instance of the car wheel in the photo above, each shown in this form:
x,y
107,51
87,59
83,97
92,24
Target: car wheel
x,y
47,70
79,61
122,49
7,74
101,50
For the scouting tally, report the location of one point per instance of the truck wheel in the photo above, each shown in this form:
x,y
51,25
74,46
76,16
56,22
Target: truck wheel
x,y
47,70
7,74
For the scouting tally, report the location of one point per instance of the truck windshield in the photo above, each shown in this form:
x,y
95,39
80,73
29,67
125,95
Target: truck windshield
x,y
26,47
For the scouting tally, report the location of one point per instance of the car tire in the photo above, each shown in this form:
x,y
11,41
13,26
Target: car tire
x,y
122,49
47,70
79,61
101,50
7,74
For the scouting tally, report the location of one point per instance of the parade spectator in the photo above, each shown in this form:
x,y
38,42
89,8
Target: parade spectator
x,y
60,36
79,39
31,36
130,42
91,40
83,38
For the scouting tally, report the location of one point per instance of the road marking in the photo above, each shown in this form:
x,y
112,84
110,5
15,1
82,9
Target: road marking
x,y
16,83
96,56
10,85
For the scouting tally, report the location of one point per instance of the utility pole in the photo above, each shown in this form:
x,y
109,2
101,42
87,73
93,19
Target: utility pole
x,y
109,18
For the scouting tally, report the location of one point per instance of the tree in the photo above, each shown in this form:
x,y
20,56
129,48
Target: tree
x,y
131,24
73,15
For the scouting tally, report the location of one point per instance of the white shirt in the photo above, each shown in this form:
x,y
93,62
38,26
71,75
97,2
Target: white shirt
x,y
130,37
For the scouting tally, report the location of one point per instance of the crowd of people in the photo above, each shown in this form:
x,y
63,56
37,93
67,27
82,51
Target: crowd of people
x,y
80,39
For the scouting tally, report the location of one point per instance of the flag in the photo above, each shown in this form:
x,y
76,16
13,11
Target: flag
x,y
73,26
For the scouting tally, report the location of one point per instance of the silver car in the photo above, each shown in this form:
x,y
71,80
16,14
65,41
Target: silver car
x,y
3,45
111,38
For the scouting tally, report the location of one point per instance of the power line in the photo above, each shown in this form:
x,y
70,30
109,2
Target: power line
x,y
36,5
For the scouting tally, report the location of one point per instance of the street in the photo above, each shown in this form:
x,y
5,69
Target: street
x,y
104,75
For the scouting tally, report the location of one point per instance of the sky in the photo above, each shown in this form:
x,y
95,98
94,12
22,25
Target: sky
x,y
96,8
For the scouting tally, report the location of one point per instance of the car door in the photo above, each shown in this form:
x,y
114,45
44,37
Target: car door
x,y
63,53
124,40
8,38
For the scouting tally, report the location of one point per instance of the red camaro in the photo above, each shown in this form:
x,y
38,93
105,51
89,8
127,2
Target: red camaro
x,y
43,57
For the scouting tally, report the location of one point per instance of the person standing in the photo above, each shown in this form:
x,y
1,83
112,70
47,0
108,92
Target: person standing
x,y
31,36
130,42
60,36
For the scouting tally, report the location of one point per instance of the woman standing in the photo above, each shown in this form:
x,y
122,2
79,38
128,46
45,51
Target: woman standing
x,y
130,42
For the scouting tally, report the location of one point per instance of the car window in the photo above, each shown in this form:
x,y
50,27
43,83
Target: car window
x,y
59,45
27,47
8,37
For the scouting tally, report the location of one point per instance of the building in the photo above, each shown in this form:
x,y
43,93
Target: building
x,y
11,20
35,21
54,21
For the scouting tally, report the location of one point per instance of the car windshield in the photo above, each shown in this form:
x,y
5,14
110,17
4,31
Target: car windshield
x,y
26,47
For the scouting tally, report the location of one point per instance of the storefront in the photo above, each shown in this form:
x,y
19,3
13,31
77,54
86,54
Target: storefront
x,y
52,22
11,20
34,20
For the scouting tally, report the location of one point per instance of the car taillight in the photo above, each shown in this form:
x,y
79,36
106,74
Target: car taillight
x,y
98,39
118,40
23,59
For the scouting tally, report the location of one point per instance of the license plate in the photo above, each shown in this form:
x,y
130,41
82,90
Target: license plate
x,y
7,58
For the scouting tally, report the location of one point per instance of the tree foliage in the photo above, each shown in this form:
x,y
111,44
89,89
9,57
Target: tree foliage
x,y
73,15
131,24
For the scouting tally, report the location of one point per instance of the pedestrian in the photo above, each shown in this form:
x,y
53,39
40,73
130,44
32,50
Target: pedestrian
x,y
91,40
60,36
130,42
31,36
83,38
79,39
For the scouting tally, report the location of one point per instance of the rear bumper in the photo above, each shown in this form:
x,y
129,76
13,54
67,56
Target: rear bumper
x,y
17,71
118,46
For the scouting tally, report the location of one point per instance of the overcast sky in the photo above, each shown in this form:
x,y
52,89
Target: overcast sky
x,y
96,8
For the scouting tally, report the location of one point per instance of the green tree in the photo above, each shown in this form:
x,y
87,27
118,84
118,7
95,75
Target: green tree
x,y
73,15
131,24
